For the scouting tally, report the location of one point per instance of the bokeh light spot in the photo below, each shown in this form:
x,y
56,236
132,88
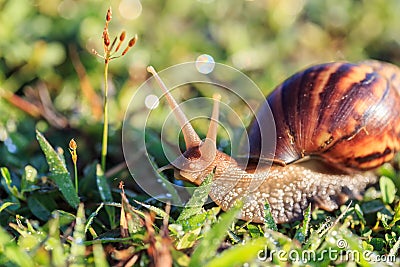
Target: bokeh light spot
x,y
151,101
67,9
130,9
205,64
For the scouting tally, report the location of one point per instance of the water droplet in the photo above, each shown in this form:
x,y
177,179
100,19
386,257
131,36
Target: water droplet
x,y
11,147
178,182
151,101
205,64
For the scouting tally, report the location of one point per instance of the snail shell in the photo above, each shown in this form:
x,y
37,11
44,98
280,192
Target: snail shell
x,y
334,122
344,114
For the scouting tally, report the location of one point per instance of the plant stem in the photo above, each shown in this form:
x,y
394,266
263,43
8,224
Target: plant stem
x,y
76,178
105,127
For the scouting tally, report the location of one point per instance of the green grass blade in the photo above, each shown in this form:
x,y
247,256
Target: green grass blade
x,y
207,248
54,243
302,232
92,216
159,212
58,172
99,256
269,222
12,251
105,194
12,188
78,249
239,254
396,216
388,189
39,206
6,205
196,202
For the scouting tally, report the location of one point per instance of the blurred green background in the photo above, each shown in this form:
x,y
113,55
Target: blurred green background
x,y
49,79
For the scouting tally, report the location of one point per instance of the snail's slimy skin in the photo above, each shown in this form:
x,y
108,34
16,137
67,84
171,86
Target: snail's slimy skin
x,y
288,189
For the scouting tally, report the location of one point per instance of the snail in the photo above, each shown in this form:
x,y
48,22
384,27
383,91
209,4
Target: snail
x,y
335,123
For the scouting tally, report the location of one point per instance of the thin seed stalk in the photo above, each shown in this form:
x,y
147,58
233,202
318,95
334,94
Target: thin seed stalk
x,y
105,112
76,177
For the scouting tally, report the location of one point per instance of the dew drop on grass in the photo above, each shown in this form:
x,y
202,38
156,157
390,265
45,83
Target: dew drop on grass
x,y
11,147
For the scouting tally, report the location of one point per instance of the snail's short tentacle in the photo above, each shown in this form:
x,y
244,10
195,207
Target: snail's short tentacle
x,y
209,147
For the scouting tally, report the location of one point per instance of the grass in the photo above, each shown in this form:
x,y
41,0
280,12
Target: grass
x,y
364,232
47,220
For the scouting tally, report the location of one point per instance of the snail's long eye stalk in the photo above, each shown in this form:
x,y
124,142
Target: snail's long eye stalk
x,y
189,134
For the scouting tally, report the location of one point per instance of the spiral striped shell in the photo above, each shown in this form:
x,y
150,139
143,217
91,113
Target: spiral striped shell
x,y
346,114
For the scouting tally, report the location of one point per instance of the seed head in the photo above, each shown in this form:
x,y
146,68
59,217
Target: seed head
x,y
72,144
122,36
131,43
72,149
108,15
106,37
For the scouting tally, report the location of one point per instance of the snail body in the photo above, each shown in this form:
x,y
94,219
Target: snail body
x,y
334,123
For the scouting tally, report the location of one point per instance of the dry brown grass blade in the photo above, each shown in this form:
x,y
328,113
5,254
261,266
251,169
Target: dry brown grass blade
x,y
159,249
49,111
21,103
123,223
38,104
88,92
